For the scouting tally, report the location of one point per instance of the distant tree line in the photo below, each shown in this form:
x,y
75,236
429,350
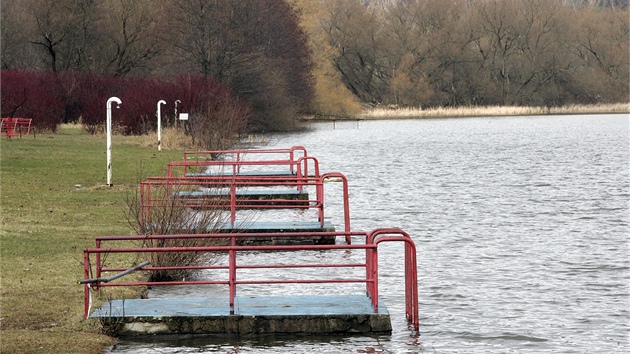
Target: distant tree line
x,y
257,49
481,52
283,58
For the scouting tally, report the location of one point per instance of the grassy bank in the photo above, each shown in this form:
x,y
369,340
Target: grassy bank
x,y
491,111
54,202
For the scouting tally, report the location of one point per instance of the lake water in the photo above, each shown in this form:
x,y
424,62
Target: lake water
x,y
522,226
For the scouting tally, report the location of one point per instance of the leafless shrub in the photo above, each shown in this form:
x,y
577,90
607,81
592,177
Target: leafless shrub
x,y
168,213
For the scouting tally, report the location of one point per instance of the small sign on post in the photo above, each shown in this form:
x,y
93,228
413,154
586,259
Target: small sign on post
x,y
183,116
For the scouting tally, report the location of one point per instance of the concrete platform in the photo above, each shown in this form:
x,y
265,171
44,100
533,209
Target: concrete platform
x,y
282,226
254,173
253,316
264,197
262,227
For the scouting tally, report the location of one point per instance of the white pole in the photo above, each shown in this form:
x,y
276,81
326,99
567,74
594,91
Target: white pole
x,y
109,137
176,102
159,123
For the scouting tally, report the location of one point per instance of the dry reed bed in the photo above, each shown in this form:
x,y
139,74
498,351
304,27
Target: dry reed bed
x,y
470,111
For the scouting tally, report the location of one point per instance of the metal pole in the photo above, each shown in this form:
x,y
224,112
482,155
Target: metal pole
x,y
176,118
114,277
159,123
109,137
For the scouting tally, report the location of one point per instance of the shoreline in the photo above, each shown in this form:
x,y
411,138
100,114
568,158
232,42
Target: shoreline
x,y
493,111
475,111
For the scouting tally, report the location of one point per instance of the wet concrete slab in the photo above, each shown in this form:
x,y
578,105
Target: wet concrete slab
x,y
252,173
284,227
322,314
278,226
257,194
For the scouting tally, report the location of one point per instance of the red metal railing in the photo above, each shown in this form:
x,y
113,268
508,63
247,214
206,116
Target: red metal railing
x,y
15,126
298,167
234,253
238,155
158,192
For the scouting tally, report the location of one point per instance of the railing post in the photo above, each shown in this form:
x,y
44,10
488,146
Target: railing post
x,y
291,158
411,275
346,204
232,271
233,197
374,269
299,176
98,262
319,188
169,170
371,281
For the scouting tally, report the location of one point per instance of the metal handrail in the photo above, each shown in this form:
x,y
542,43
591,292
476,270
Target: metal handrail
x,y
297,167
148,199
372,240
240,153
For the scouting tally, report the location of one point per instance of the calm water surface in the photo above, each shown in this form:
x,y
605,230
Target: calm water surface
x,y
521,224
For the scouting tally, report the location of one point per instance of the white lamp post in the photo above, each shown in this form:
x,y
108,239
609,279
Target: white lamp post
x,y
159,123
176,102
109,137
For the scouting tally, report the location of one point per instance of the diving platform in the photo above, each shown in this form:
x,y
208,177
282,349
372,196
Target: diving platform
x,y
252,316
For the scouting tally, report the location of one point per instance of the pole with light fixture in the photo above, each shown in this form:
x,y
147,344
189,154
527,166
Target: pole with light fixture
x,y
109,136
159,123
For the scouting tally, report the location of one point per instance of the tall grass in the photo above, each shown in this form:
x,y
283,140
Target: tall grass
x,y
444,112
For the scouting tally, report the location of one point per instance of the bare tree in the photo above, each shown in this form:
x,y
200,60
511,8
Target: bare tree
x,y
132,39
356,31
15,23
602,48
255,47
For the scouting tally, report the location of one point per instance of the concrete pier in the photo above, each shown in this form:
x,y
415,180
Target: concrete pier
x,y
262,227
253,316
221,199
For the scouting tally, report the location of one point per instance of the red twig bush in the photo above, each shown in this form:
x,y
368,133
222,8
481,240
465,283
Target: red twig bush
x,y
216,115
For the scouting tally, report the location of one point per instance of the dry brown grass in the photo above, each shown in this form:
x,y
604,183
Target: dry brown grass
x,y
171,138
54,202
440,112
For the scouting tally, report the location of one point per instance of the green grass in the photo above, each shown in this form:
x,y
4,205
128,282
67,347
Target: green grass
x,y
54,202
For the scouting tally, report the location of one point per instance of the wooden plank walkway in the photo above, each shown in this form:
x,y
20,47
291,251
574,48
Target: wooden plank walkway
x,y
320,314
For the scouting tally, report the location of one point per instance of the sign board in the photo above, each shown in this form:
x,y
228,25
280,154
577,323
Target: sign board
x,y
183,116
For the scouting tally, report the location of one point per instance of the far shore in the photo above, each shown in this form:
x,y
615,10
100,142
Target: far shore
x,y
473,111
440,112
